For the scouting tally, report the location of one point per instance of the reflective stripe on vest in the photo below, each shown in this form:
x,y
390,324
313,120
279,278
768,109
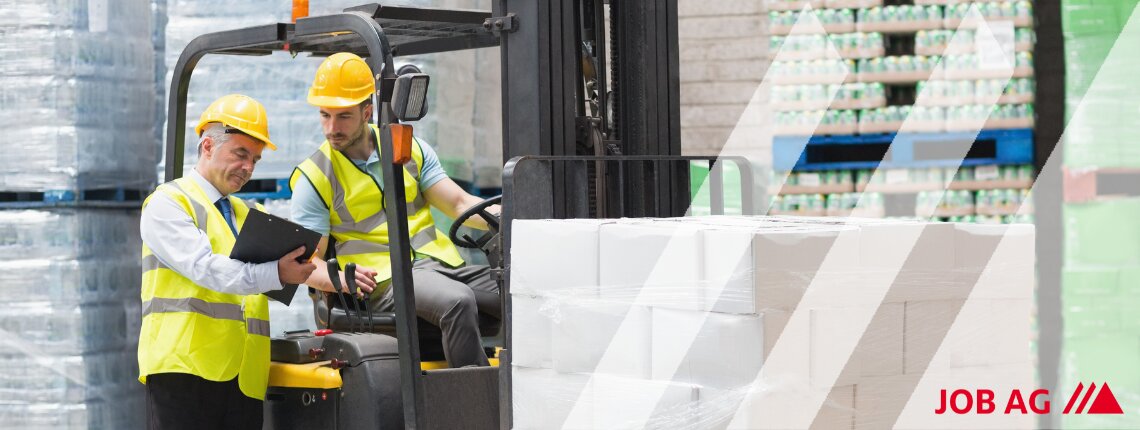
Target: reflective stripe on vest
x,y
187,328
225,311
357,219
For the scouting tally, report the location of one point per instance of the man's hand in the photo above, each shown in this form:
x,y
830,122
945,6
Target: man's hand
x,y
365,279
292,272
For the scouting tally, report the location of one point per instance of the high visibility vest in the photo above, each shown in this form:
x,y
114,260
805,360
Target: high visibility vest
x,y
357,220
187,328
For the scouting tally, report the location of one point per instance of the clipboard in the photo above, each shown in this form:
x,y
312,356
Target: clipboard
x,y
264,238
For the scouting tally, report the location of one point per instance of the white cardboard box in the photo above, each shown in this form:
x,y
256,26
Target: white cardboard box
x,y
729,278
543,399
708,349
532,322
880,350
555,257
771,267
620,402
598,337
651,264
927,323
997,261
991,332
836,411
879,400
979,245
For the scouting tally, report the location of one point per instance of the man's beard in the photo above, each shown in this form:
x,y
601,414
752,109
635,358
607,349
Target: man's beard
x,y
350,143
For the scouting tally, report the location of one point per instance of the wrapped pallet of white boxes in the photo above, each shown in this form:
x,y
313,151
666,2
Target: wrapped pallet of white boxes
x,y
69,319
766,322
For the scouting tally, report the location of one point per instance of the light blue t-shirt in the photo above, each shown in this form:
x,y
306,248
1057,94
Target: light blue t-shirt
x,y
309,210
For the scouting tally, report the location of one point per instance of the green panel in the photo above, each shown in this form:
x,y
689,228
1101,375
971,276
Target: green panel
x,y
1103,359
1087,17
1102,233
1129,281
1105,136
1125,9
1088,50
701,205
1090,316
1095,282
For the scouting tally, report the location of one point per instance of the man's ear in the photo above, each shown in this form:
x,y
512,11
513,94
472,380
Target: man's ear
x,y
207,147
367,112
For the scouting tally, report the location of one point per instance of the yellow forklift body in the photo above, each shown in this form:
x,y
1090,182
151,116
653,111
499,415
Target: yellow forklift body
x,y
310,375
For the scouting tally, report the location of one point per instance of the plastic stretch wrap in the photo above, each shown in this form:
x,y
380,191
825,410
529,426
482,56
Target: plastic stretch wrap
x,y
766,322
67,234
69,320
120,412
73,92
71,378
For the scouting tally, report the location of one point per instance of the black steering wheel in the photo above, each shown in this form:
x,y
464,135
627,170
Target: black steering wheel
x,y
481,210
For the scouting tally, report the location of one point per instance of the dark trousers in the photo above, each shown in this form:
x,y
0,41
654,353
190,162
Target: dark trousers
x,y
185,401
452,298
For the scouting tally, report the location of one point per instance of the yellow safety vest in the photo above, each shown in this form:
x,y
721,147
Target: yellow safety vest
x,y
356,210
187,328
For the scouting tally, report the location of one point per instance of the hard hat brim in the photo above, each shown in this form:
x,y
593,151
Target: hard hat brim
x,y
334,102
269,145
255,135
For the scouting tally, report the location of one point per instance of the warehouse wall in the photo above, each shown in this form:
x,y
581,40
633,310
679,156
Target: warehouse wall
x,y
724,55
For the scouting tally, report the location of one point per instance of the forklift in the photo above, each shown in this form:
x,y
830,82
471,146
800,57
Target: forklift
x,y
589,131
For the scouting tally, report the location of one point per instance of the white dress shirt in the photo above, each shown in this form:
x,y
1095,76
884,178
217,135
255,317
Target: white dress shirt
x,y
171,235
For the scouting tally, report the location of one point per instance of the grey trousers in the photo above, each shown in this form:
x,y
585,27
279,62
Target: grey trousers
x,y
451,298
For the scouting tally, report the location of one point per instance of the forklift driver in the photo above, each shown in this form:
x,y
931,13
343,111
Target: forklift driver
x,y
338,191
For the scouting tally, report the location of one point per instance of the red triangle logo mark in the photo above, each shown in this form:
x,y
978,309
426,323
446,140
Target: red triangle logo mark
x,y
1105,403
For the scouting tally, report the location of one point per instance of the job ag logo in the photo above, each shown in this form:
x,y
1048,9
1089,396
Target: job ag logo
x,y
982,401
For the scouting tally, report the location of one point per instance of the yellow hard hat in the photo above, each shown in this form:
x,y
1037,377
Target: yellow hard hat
x,y
343,80
240,112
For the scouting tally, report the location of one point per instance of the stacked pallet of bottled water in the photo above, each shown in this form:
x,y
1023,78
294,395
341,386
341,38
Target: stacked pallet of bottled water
x,y
69,319
77,99
76,85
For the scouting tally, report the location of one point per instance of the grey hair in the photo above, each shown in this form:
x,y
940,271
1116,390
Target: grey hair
x,y
216,131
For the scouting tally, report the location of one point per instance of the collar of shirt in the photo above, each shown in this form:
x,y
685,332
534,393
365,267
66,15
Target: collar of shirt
x,y
212,194
372,159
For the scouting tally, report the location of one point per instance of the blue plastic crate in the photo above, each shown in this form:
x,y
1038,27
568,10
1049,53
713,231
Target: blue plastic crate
x,y
265,189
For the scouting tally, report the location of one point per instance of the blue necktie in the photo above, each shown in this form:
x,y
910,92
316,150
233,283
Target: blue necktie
x,y
223,204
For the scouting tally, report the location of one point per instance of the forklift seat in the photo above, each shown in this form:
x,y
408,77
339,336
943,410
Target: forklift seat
x,y
431,337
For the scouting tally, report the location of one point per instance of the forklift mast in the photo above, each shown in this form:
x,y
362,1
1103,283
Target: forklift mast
x,y
576,84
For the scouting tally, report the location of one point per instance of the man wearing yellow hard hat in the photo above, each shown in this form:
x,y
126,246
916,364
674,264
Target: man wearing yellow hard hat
x,y
338,191
204,344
